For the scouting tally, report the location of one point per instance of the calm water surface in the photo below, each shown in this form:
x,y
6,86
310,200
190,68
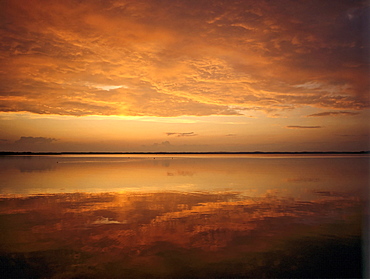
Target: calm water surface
x,y
194,216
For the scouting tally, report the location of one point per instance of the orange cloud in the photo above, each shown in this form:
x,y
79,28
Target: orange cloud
x,y
333,113
183,58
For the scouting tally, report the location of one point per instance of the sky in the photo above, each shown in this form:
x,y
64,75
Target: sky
x,y
184,75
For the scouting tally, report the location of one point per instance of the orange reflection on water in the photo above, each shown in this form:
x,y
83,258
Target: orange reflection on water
x,y
294,176
174,234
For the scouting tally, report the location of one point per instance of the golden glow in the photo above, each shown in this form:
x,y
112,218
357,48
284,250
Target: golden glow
x,y
167,62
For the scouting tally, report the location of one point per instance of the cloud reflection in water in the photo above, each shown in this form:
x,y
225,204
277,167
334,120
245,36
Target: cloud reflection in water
x,y
179,234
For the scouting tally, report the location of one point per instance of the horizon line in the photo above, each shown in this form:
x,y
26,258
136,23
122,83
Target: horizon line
x,y
2,153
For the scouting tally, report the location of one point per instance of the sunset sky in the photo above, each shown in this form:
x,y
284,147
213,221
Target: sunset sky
x,y
184,75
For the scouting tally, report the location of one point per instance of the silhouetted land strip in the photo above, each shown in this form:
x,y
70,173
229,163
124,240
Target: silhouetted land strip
x,y
7,153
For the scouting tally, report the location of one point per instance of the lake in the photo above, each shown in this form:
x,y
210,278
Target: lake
x,y
184,216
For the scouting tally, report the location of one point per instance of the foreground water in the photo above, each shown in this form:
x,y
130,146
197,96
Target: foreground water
x,y
230,216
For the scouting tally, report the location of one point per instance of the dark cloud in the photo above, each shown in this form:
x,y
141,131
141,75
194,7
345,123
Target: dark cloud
x,y
189,134
34,141
332,113
303,127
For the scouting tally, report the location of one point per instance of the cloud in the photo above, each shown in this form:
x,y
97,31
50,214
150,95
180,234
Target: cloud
x,y
106,87
332,113
106,221
188,58
164,146
34,141
303,127
180,173
189,134
163,143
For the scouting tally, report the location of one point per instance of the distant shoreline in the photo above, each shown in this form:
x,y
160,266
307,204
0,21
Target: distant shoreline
x,y
8,153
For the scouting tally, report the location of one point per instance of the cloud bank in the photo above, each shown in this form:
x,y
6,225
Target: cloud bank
x,y
34,140
176,58
333,113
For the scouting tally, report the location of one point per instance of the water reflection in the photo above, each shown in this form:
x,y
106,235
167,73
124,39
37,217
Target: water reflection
x,y
176,234
27,164
290,176
279,218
